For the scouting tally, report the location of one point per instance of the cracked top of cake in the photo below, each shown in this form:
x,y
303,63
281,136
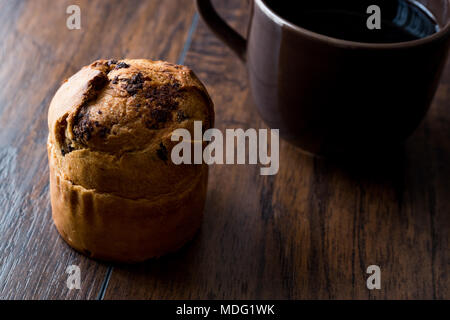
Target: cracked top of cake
x,y
121,106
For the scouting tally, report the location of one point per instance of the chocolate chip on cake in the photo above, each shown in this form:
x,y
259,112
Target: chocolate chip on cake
x,y
162,152
67,149
159,115
181,116
82,128
111,62
164,96
122,65
151,125
134,84
103,132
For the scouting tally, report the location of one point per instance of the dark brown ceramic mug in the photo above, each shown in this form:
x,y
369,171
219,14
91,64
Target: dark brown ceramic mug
x,y
332,96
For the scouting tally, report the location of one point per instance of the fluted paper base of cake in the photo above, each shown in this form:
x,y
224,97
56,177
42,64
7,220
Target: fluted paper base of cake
x,y
108,227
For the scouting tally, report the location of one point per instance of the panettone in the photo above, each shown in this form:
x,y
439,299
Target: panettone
x,y
115,193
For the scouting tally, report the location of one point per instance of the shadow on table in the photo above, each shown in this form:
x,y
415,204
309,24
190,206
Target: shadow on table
x,y
393,206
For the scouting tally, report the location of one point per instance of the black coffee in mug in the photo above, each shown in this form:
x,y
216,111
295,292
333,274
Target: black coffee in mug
x,y
401,20
335,98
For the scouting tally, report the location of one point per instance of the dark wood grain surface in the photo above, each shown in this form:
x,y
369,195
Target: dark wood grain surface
x,y
309,232
37,52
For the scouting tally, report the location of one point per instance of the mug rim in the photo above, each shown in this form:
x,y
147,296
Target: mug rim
x,y
271,14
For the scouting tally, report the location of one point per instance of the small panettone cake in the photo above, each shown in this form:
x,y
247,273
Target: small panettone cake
x,y
115,193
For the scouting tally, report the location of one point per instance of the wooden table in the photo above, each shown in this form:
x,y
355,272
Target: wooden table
x,y
309,232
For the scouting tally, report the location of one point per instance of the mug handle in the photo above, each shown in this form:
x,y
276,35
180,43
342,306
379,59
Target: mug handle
x,y
221,29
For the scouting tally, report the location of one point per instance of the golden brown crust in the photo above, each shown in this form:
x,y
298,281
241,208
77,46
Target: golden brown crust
x,y
107,132
109,145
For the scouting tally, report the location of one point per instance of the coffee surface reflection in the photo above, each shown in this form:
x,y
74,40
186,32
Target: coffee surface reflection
x,y
401,20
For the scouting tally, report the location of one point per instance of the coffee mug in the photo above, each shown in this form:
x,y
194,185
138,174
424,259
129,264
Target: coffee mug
x,y
330,95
